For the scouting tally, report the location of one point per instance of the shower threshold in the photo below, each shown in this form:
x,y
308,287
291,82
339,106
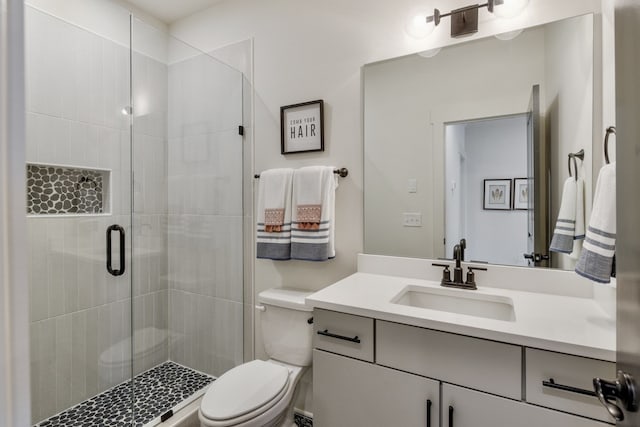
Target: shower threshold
x,y
166,387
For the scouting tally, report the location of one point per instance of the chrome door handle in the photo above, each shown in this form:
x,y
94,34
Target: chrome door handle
x,y
623,389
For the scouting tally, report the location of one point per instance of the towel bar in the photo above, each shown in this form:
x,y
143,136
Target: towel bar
x,y
342,172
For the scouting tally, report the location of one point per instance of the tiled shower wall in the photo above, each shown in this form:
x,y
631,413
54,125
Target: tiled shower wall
x,y
187,159
205,212
77,85
150,283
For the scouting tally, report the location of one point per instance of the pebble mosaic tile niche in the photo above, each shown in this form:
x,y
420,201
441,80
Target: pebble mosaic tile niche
x,y
64,190
156,392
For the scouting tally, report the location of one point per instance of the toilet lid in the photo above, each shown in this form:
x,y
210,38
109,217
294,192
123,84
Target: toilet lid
x,y
243,389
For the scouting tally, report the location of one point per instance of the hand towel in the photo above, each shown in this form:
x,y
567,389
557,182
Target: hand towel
x,y
598,249
273,226
313,212
562,240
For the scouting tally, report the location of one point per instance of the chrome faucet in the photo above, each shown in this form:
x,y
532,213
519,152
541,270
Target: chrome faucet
x,y
457,282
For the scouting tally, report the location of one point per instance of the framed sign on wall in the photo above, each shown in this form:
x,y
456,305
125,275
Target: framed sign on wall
x,y
302,127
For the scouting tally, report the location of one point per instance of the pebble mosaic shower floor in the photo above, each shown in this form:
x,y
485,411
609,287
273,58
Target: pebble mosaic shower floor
x,y
156,391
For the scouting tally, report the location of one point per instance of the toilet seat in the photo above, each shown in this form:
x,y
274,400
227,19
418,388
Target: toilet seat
x,y
244,392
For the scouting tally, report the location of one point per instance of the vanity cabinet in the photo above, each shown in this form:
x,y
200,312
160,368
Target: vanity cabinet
x,y
349,392
396,374
342,333
480,364
462,407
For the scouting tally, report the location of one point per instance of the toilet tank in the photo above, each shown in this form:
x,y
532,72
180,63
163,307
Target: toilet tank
x,y
286,329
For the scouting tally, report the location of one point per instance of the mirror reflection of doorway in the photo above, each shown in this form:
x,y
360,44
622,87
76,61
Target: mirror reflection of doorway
x,y
475,151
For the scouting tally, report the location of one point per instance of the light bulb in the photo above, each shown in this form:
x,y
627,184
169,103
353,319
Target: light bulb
x,y
417,25
510,8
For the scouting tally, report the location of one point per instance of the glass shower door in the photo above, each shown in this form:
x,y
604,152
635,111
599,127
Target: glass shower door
x,y
188,221
79,219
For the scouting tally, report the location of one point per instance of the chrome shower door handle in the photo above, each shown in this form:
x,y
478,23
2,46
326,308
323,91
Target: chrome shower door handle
x,y
110,269
623,389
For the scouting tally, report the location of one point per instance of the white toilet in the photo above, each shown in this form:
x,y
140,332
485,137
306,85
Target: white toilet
x,y
259,393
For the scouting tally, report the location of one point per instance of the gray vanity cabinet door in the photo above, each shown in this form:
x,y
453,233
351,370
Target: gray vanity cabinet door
x,y
352,393
476,409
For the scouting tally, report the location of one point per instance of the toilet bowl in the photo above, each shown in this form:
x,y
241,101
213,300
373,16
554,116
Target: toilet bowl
x,y
261,393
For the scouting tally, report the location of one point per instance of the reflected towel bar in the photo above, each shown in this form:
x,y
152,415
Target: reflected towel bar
x,y
610,130
579,155
342,172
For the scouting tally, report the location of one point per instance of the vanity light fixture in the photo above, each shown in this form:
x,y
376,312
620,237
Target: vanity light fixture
x,y
464,21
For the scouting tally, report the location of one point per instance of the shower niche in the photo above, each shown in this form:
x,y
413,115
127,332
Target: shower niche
x,y
65,190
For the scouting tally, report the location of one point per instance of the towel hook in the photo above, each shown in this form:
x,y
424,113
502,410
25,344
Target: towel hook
x,y
610,130
579,155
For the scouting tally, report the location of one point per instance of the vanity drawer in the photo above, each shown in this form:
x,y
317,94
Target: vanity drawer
x,y
480,364
570,371
344,334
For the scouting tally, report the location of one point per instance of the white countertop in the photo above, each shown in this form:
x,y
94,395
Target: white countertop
x,y
563,323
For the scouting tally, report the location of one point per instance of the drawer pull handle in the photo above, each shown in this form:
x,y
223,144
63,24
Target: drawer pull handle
x,y
450,416
326,333
428,412
552,384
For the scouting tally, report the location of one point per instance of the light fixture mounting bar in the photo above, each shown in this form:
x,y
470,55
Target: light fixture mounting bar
x,y
464,20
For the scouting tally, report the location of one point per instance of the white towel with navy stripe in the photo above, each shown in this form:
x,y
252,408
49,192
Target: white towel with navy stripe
x,y
570,223
273,228
598,250
313,213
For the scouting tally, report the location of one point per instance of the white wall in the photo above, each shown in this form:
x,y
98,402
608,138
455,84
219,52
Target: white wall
x,y
106,18
14,303
306,51
495,149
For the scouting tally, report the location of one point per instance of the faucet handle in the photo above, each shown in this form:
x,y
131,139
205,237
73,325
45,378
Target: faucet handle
x,y
471,277
446,273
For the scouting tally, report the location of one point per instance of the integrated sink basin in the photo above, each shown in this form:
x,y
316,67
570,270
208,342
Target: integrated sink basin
x,y
470,303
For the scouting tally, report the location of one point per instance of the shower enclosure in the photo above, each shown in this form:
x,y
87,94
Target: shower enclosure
x,y
135,217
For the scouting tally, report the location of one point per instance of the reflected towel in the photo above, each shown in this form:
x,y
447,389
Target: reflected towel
x,y
273,227
598,249
313,223
564,233
579,232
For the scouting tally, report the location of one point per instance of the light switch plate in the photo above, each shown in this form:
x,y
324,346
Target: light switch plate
x,y
412,185
412,219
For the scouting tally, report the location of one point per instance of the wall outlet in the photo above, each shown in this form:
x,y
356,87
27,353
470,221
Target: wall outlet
x,y
412,219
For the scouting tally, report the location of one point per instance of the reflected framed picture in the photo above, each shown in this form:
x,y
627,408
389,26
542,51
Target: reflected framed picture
x,y
497,194
520,194
302,127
